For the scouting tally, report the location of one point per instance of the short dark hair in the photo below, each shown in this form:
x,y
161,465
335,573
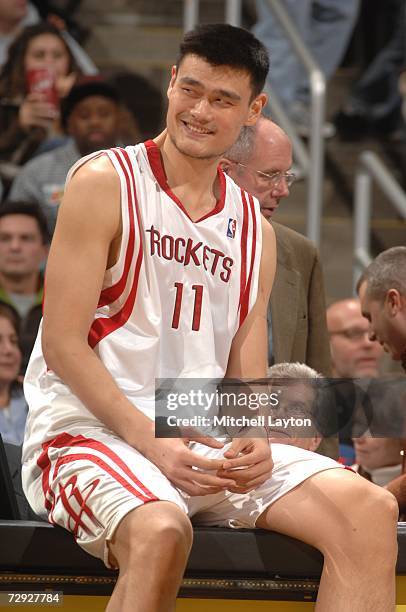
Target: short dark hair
x,y
144,101
221,44
84,88
31,209
386,271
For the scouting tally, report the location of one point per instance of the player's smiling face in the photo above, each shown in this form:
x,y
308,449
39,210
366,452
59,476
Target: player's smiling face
x,y
208,105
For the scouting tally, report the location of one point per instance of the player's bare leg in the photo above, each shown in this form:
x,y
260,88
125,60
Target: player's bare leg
x,y
353,523
151,547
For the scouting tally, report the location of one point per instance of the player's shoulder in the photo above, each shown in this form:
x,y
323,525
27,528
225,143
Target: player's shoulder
x,y
92,185
95,172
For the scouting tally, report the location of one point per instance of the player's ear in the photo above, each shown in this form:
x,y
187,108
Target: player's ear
x,y
314,443
174,73
256,107
393,301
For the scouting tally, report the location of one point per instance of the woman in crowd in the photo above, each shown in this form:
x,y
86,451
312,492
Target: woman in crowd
x,y
13,409
29,106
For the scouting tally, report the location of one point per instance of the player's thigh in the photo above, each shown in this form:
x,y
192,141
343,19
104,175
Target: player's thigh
x,y
91,482
328,506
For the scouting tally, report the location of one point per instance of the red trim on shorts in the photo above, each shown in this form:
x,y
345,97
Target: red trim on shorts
x,y
107,468
157,167
111,294
246,297
244,237
66,440
103,326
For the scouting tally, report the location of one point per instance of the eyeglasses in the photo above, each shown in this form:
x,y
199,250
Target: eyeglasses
x,y
274,179
353,333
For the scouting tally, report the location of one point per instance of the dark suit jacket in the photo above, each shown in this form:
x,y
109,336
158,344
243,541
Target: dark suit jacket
x,y
298,309
297,305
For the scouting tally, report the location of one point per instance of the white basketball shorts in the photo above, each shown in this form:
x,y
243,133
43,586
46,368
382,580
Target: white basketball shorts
x,y
87,483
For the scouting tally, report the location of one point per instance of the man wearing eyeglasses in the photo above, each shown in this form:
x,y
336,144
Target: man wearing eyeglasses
x,y
353,354
260,163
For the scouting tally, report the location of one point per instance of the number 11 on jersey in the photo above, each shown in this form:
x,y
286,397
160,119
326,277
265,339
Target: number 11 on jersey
x,y
197,307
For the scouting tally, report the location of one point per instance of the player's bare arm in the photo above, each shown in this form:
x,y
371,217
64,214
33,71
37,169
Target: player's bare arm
x,y
248,356
81,252
248,359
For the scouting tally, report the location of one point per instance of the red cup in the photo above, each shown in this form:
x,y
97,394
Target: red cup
x,y
42,80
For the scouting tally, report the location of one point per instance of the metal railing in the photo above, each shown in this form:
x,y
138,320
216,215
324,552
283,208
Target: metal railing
x,y
314,165
232,13
370,169
311,161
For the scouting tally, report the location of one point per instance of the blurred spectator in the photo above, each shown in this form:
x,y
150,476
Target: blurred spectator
x,y
90,117
378,459
380,447
352,352
15,15
23,250
382,291
141,115
374,105
13,409
325,27
28,119
295,382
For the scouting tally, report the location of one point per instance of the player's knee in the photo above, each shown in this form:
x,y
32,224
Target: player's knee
x,y
372,522
377,506
159,532
165,528
379,533
172,528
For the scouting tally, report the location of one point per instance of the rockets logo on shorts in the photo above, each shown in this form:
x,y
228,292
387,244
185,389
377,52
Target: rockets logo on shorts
x,y
79,514
231,228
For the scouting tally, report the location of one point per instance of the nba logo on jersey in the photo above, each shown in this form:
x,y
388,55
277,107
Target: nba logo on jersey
x,y
232,226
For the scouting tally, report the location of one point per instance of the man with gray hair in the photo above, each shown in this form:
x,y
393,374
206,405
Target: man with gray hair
x,y
297,389
382,291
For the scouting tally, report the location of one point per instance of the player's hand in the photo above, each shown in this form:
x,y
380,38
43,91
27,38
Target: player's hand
x,y
35,112
190,472
248,462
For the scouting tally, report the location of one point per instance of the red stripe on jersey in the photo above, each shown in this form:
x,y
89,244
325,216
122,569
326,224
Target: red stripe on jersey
x,y
244,235
66,440
103,326
155,160
246,297
111,294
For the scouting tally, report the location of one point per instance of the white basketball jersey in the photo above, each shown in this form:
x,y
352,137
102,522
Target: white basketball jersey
x,y
172,303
